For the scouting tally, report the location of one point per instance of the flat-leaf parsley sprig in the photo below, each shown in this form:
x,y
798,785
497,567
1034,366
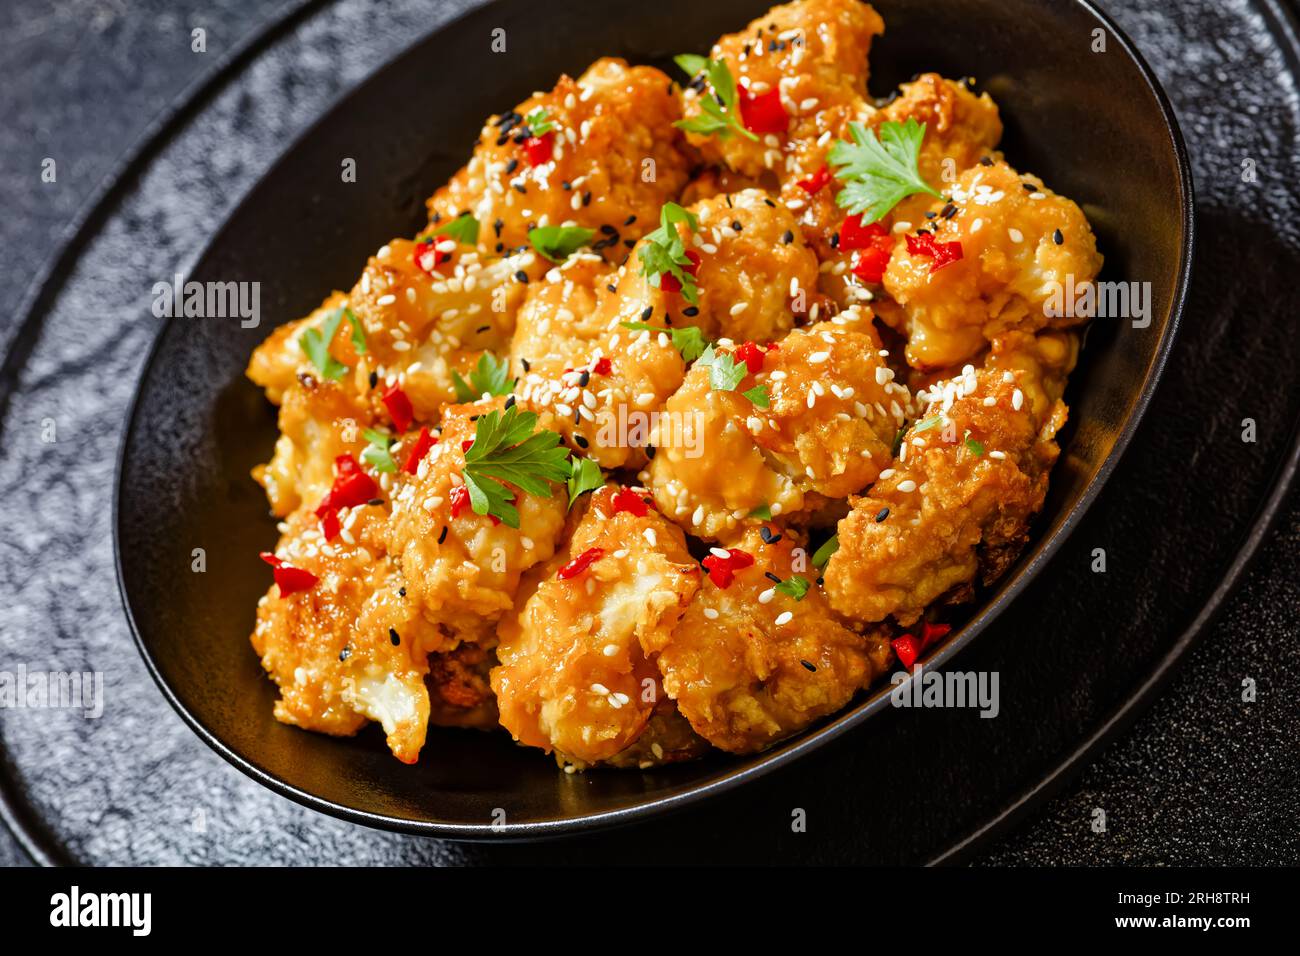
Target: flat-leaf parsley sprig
x,y
686,339
507,449
664,252
491,376
721,112
878,174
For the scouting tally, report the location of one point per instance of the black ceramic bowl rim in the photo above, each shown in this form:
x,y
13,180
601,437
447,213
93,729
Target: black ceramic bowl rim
x,y
789,751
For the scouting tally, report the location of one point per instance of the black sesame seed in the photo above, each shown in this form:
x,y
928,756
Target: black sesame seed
x,y
401,592
629,220
771,577
510,402
1057,237
770,203
503,139
882,514
522,276
735,224
394,636
930,215
524,363
512,166
501,246
948,211
585,378
1030,187
612,288
481,329
986,161
580,441
345,653
375,502
649,311
442,535
835,241
374,379
586,198
608,230
788,237
630,243
520,188
808,665
690,311
650,451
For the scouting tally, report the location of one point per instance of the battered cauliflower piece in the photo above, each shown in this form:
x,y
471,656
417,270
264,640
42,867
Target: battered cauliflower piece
x,y
969,476
319,420
806,60
350,648
610,160
749,665
1019,241
461,567
573,676
833,413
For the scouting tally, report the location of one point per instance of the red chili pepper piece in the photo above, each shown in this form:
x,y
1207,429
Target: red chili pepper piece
x,y
931,633
854,235
943,253
603,366
763,113
287,577
329,525
423,442
539,149
459,500
669,282
907,648
722,571
581,563
871,264
814,183
399,407
351,487
428,256
752,356
467,444
627,500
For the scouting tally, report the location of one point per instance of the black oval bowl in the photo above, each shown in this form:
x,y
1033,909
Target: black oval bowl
x,y
1093,124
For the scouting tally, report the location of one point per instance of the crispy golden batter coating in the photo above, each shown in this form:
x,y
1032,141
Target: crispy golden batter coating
x,y
463,568
969,476
833,411
319,420
350,648
459,692
1007,225
614,155
573,676
813,54
749,665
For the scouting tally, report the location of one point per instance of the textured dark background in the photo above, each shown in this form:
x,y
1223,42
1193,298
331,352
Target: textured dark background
x,y
1201,778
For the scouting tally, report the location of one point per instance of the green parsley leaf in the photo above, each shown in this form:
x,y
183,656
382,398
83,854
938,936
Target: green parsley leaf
x,y
506,448
377,455
897,445
664,251
490,377
539,122
758,395
879,173
557,243
688,339
795,586
720,114
725,373
464,229
976,448
823,554
763,512
358,331
316,344
585,476
926,424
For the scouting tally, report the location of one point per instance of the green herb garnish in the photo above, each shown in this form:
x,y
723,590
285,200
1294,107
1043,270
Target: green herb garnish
x,y
796,586
316,344
489,377
377,455
976,448
721,115
763,512
664,251
878,174
557,243
539,122
585,476
758,395
688,339
823,554
463,229
506,448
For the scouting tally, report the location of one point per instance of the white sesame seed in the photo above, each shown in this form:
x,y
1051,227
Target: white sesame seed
x,y
907,486
1017,399
785,617
767,596
610,650
711,613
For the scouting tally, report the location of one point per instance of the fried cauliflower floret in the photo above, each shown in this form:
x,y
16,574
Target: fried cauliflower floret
x,y
833,411
810,55
319,420
1020,242
748,664
595,380
969,476
461,567
350,648
611,160
573,676
274,365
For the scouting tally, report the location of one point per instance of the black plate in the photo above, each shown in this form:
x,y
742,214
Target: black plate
x,y
1094,125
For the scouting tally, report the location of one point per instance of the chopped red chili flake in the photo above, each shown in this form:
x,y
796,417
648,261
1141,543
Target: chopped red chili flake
x,y
428,256
581,563
669,283
459,500
467,444
539,149
871,264
943,253
329,525
399,407
854,235
814,183
602,366
627,500
875,243
351,487
423,443
752,356
722,571
289,578
907,648
931,633
763,113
